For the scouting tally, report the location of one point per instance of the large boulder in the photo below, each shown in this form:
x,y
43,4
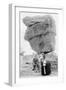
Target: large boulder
x,y
40,33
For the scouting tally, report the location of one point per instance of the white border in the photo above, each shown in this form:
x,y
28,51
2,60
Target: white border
x,y
15,47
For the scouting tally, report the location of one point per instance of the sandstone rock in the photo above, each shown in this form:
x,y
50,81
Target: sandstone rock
x,y
40,32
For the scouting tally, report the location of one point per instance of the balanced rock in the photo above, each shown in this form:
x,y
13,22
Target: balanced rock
x,y
40,33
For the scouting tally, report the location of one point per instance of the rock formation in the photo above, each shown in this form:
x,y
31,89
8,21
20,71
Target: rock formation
x,y
40,33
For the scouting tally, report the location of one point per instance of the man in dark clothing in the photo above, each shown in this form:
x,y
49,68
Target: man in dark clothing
x,y
42,68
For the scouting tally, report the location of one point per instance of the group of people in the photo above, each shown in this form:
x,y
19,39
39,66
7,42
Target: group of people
x,y
40,64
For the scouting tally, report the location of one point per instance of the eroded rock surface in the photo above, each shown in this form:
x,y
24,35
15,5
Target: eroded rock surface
x,y
40,33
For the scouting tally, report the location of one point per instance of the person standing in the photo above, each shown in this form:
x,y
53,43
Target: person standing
x,y
45,66
48,68
36,66
41,62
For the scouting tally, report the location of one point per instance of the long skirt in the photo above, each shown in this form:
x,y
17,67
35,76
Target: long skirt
x,y
46,70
